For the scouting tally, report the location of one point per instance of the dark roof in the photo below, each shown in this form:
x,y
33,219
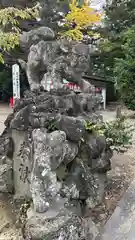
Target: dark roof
x,y
97,78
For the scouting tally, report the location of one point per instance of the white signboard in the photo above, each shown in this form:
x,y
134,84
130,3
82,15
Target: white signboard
x,y
16,81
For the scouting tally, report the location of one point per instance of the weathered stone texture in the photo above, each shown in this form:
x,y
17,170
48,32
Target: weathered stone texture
x,y
51,59
55,162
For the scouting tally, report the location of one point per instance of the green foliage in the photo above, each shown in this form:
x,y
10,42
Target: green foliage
x,y
119,15
51,125
118,133
125,69
10,26
94,128
5,82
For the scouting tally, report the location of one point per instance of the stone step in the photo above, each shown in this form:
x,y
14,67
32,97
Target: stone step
x,y
121,225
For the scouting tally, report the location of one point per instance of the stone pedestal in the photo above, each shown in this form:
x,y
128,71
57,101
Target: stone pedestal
x,y
56,163
57,223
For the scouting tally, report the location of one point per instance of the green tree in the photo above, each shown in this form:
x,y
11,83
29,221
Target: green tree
x,y
5,82
10,30
124,69
119,15
10,26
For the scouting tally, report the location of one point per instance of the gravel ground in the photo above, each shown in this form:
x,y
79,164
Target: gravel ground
x,y
5,110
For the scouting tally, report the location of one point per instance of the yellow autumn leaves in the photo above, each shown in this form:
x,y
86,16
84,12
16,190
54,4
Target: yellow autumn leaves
x,y
82,17
9,19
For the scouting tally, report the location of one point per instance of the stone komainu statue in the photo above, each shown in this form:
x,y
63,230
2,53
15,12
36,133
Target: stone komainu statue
x,y
51,59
